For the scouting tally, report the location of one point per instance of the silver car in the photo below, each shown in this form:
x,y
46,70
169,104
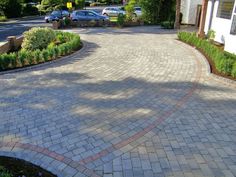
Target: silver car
x,y
115,11
88,16
112,11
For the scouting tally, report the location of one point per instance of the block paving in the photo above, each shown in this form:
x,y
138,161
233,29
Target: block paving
x,y
132,102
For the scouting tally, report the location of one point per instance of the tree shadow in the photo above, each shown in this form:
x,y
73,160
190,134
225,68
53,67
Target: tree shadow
x,y
73,114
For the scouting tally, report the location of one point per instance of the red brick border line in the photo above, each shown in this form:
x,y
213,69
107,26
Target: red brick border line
x,y
81,168
157,122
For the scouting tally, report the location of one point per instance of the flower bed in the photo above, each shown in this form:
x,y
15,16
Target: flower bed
x,y
40,45
11,167
223,62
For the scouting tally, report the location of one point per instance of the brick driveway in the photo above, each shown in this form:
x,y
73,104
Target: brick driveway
x,y
133,102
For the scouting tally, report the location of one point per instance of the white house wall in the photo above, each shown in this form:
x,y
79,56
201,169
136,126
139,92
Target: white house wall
x,y
189,11
193,11
184,10
221,27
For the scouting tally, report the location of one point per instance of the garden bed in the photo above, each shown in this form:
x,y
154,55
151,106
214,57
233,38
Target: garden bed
x,y
12,167
221,63
40,45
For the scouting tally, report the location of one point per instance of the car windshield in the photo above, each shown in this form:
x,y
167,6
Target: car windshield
x,y
138,8
56,13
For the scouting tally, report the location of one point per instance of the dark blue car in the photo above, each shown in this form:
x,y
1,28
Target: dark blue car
x,y
88,16
56,15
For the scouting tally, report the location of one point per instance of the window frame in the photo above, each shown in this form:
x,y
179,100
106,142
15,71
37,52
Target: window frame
x,y
221,14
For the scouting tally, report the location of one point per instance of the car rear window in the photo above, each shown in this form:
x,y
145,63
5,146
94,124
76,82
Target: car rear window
x,y
138,8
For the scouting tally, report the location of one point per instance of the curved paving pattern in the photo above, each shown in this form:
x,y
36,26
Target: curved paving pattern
x,y
133,102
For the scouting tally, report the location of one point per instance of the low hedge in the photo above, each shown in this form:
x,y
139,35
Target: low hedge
x,y
4,172
168,24
224,62
65,44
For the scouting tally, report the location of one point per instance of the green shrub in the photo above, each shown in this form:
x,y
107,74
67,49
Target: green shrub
x,y
151,10
51,52
4,172
67,21
120,20
233,72
38,38
129,9
224,62
168,24
24,57
45,54
37,55
3,18
211,34
7,61
61,37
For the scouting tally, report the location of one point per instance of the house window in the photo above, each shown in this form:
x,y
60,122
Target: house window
x,y
225,9
233,26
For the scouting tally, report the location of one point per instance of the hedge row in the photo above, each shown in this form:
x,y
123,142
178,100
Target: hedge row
x,y
27,57
224,62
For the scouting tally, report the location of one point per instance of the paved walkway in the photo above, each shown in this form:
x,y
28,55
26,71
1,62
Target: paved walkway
x,y
133,102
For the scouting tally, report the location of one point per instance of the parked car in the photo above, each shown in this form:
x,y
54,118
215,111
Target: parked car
x,y
56,15
112,11
138,11
115,11
88,16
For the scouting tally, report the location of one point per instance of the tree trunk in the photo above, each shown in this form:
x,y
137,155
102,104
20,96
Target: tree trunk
x,y
201,32
177,14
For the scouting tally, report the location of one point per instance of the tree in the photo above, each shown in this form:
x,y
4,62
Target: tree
x,y
167,11
10,8
151,10
129,8
80,4
177,14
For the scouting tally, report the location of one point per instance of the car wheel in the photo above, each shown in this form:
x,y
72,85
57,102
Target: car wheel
x,y
106,14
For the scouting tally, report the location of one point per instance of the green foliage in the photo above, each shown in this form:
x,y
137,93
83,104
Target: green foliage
x,y
3,18
79,4
68,43
224,61
37,55
151,10
23,57
10,8
67,21
167,11
211,34
129,8
7,61
168,24
4,172
120,20
28,9
38,38
233,72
